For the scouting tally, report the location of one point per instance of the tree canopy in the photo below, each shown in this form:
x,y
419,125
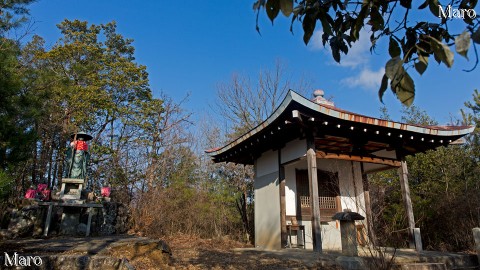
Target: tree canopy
x,y
415,33
13,13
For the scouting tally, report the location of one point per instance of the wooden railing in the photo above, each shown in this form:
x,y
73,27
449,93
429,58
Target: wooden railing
x,y
325,202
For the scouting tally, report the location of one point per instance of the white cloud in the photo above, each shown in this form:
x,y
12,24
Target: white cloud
x,y
358,54
315,43
366,78
358,61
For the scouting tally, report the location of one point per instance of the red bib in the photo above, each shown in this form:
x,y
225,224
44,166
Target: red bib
x,y
81,145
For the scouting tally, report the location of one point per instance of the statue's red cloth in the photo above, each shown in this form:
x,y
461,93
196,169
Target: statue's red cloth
x,y
30,193
81,145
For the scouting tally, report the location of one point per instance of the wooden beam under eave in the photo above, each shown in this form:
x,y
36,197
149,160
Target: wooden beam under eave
x,y
383,161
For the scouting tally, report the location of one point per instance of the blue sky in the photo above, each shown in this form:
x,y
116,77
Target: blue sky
x,y
191,46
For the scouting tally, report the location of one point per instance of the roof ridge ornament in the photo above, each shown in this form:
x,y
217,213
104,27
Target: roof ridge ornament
x,y
319,99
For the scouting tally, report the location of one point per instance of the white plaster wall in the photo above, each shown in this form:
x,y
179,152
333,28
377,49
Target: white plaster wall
x,y
267,212
267,202
371,167
329,165
291,186
351,186
266,163
293,150
290,191
346,185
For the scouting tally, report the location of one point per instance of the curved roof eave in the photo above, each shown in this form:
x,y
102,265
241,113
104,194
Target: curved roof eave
x,y
346,116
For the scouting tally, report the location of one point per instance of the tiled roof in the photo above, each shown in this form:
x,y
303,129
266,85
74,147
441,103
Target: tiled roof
x,y
326,117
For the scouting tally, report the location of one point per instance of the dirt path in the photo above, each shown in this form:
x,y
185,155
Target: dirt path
x,y
195,253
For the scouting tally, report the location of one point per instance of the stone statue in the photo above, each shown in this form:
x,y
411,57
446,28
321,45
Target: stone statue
x,y
78,156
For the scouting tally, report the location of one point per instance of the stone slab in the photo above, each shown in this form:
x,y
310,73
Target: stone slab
x,y
424,266
73,180
476,237
418,239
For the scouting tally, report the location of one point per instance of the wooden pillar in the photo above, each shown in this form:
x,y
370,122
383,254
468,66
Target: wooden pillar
x,y
368,207
407,202
314,203
283,211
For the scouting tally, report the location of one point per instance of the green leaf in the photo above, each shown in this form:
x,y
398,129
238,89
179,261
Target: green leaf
x,y
393,48
342,45
423,47
335,46
322,16
308,24
441,51
401,83
286,6
376,19
476,36
434,7
273,8
437,58
393,67
462,44
383,87
405,90
422,64
359,22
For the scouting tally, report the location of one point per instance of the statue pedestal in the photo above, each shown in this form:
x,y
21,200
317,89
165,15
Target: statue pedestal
x,y
71,188
70,220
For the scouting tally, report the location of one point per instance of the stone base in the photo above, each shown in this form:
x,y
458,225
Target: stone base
x,y
71,188
70,221
70,197
73,201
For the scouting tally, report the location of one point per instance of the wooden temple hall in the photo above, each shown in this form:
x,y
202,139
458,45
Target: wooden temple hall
x,y
311,149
